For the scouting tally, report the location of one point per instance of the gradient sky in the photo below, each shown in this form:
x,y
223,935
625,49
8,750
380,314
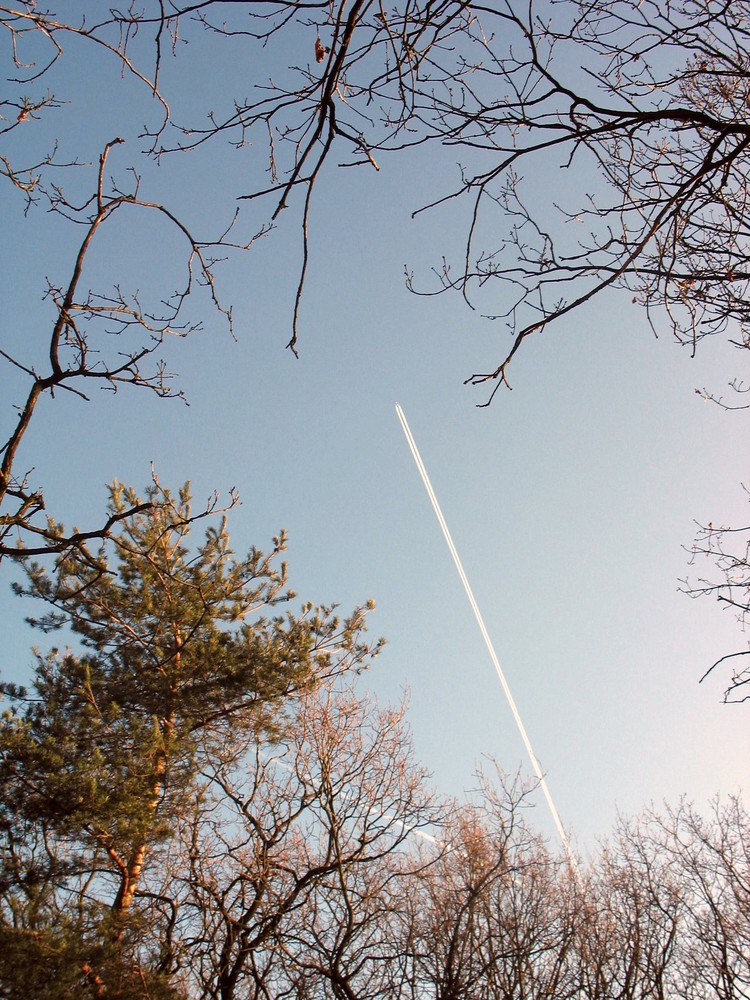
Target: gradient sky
x,y
569,499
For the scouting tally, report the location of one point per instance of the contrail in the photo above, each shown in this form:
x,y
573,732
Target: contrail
x,y
485,634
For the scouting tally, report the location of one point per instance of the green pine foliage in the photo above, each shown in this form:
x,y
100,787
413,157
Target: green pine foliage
x,y
177,650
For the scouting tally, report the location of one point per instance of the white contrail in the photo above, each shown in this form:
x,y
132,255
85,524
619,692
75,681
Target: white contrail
x,y
485,634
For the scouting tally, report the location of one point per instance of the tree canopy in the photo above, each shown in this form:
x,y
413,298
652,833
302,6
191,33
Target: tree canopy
x,y
286,843
636,110
195,799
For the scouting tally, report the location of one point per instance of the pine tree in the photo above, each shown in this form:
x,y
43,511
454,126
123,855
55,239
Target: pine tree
x,y
176,651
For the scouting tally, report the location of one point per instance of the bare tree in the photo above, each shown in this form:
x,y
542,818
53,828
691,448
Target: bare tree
x,y
107,337
293,861
729,551
713,853
640,108
84,321
629,935
496,916
681,879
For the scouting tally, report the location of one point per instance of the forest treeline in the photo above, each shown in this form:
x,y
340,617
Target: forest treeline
x,y
196,801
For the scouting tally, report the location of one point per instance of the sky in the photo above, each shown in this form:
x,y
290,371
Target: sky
x,y
571,499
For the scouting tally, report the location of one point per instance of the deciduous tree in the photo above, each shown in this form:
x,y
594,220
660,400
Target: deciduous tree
x,y
300,854
728,549
637,108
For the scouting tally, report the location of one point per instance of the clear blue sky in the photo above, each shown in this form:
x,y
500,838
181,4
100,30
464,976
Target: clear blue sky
x,y
569,499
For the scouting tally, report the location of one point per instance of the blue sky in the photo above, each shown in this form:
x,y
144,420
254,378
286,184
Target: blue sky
x,y
570,499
